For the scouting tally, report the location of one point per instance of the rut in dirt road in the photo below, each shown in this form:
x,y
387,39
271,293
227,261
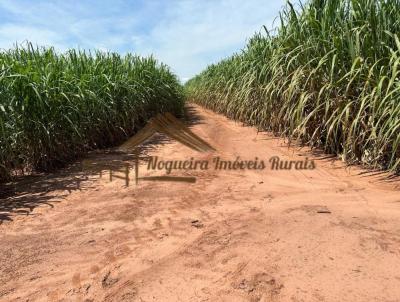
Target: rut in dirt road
x,y
327,233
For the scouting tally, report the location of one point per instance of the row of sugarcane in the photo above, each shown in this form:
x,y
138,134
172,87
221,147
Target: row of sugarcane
x,y
56,106
328,76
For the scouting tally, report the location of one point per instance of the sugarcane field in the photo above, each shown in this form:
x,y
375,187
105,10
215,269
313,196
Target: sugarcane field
x,y
183,150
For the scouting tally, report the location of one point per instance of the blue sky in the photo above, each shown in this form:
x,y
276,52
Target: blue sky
x,y
185,34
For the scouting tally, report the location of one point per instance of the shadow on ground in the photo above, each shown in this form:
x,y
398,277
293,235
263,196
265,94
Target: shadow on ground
x,y
24,194
320,155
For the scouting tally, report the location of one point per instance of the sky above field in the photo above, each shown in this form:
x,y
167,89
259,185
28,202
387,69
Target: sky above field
x,y
185,34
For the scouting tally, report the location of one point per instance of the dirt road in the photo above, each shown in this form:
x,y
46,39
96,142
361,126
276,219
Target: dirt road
x,y
326,234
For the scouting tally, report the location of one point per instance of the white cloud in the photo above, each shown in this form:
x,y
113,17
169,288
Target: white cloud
x,y
195,33
185,34
11,34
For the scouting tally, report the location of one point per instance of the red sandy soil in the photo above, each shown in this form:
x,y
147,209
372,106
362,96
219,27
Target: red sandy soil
x,y
328,234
